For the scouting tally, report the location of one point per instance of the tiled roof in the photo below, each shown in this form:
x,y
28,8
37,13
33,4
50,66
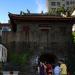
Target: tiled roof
x,y
36,17
4,24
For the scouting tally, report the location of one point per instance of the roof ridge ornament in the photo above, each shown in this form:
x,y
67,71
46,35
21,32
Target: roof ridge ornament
x,y
9,13
28,11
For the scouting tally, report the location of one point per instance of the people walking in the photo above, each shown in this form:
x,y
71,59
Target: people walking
x,y
42,69
49,69
57,69
63,68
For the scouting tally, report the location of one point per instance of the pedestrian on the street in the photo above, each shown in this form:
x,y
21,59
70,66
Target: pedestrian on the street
x,y
57,69
49,69
63,67
42,69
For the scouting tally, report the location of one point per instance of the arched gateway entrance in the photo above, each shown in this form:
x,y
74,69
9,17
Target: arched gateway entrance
x,y
48,57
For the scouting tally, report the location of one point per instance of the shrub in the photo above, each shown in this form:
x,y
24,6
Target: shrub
x,y
21,58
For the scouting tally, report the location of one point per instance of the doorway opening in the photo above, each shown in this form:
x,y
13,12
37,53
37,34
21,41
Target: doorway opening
x,y
48,57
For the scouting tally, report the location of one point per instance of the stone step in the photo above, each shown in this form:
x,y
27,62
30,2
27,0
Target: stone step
x,y
9,73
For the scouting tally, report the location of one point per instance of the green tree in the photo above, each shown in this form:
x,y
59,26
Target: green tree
x,y
57,11
61,9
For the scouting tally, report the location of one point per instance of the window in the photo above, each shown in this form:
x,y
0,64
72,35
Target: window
x,y
53,3
63,5
58,3
67,2
71,2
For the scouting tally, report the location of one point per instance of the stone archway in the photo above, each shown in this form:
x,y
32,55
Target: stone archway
x,y
48,57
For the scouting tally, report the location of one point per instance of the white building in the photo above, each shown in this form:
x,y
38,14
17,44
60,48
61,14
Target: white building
x,y
56,4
